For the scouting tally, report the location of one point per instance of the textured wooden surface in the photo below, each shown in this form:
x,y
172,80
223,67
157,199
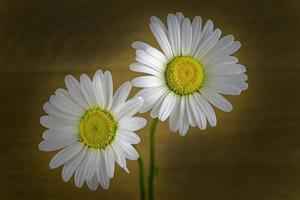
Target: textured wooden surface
x,y
253,153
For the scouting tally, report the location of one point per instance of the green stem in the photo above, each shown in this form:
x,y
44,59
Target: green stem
x,y
153,170
142,178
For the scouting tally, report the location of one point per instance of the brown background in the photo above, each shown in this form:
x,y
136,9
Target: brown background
x,y
253,153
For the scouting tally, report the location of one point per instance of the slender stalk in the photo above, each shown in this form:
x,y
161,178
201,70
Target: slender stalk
x,y
153,169
142,178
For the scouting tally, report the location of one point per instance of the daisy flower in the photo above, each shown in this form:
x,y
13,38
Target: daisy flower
x,y
93,127
191,72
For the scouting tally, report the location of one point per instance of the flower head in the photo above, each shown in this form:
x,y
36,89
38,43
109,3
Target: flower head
x,y
194,67
93,127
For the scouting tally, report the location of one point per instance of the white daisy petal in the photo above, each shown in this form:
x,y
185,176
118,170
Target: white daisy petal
x,y
157,21
98,90
138,67
207,45
183,121
216,99
71,166
223,55
56,123
132,123
130,152
223,70
186,37
57,141
79,177
230,78
62,92
162,39
219,61
107,86
206,108
155,110
150,96
224,88
150,50
102,173
138,45
109,160
75,91
174,34
87,90
198,113
119,155
167,106
121,95
147,81
233,80
45,134
66,105
190,113
156,54
128,136
180,17
59,131
242,85
93,163
148,59
174,116
87,169
93,183
222,44
65,155
148,63
230,49
129,108
207,30
196,33
51,110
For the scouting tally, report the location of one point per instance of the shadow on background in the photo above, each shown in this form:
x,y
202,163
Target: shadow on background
x,y
253,153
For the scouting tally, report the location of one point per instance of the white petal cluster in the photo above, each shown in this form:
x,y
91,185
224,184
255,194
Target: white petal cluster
x,y
181,37
65,110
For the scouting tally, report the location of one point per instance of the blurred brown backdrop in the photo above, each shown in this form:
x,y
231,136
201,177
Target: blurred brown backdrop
x,y
253,153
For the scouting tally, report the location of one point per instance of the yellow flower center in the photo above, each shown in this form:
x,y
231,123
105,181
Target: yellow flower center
x,y
97,128
184,75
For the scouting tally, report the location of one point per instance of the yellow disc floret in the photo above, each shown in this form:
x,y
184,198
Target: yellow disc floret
x,y
97,128
184,75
